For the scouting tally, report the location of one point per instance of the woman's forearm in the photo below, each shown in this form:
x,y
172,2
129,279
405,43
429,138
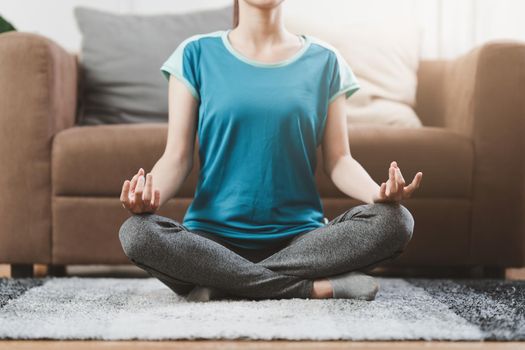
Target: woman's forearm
x,y
352,179
168,176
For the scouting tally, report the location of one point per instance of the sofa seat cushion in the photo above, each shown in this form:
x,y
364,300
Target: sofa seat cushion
x,y
446,159
95,160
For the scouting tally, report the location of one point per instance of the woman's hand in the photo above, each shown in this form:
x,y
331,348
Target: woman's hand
x,y
138,195
394,190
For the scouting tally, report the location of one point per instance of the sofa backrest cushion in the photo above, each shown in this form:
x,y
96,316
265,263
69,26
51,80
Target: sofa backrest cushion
x,y
120,59
384,54
121,55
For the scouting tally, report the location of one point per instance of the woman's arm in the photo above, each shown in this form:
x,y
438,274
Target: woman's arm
x,y
175,164
347,174
148,192
344,171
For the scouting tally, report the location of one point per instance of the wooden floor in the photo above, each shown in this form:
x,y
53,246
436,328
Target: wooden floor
x,y
257,345
40,270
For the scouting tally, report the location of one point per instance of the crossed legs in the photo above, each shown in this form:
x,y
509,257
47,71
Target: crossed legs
x,y
360,238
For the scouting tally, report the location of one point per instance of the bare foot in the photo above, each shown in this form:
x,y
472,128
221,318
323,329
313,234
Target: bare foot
x,y
322,289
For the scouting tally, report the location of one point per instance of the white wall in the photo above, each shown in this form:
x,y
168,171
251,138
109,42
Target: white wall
x,y
451,27
54,18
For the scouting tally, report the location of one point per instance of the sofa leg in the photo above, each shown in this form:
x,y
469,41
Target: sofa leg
x,y
487,271
494,272
56,270
21,270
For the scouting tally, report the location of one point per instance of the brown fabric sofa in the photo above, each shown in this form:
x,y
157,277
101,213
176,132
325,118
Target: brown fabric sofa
x,y
60,183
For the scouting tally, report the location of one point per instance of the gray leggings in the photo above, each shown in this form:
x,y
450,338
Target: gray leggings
x,y
358,239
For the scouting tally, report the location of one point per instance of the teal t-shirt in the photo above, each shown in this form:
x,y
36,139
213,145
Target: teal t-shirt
x,y
259,125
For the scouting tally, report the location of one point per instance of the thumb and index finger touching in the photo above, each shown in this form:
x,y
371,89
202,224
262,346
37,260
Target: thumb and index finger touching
x,y
138,192
413,185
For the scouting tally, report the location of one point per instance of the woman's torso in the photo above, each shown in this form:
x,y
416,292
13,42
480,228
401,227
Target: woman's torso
x,y
258,129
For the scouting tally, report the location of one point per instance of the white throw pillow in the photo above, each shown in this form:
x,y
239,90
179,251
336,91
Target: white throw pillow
x,y
383,53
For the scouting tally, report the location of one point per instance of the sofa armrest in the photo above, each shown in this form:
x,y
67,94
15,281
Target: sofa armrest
x,y
37,100
484,98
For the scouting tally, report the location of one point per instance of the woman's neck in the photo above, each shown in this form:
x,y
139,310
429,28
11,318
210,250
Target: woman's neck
x,y
261,26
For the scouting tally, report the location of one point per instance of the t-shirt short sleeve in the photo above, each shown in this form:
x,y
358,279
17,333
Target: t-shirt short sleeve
x,y
343,79
182,64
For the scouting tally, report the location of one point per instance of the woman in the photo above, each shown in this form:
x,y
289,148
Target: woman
x,y
261,100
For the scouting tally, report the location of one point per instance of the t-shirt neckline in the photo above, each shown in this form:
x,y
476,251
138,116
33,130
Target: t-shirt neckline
x,y
298,54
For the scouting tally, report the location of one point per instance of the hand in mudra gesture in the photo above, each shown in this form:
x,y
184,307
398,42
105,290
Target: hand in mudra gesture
x,y
394,190
138,195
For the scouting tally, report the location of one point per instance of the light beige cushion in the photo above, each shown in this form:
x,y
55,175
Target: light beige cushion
x,y
384,55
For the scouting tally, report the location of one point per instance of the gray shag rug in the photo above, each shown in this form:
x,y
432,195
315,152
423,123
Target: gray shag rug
x,y
145,309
